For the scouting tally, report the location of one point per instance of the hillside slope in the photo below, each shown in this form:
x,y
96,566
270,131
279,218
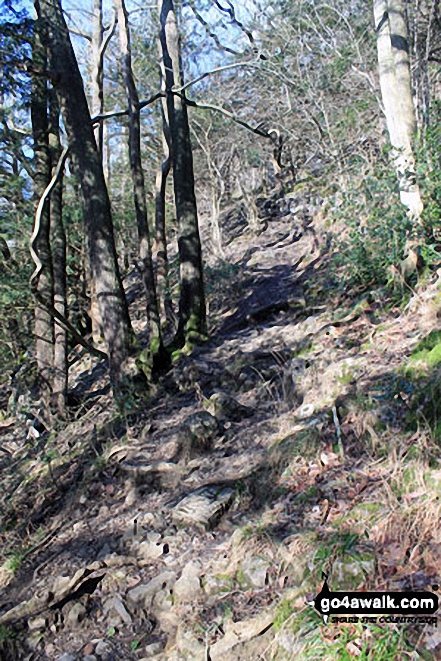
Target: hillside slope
x,y
302,438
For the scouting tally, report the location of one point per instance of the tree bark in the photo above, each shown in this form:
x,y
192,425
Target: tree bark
x,y
162,273
97,104
58,246
87,165
43,328
395,84
97,71
192,312
145,249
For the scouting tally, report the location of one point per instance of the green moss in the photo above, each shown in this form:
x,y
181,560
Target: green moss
x,y
429,342
144,362
6,633
284,611
346,377
155,344
426,355
176,355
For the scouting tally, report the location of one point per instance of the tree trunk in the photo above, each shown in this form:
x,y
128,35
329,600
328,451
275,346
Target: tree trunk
x,y
97,70
58,245
95,199
145,249
394,71
43,329
192,312
97,104
162,273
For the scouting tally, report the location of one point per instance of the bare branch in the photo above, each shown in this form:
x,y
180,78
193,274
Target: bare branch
x,y
209,73
37,224
232,14
207,106
109,35
209,31
121,113
78,33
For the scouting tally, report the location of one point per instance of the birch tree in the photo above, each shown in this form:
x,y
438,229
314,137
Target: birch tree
x,y
396,92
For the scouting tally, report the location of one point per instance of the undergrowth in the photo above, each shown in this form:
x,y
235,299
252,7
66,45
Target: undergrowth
x,y
376,229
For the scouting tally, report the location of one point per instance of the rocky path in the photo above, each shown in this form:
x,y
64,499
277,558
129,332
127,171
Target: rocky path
x,y
196,525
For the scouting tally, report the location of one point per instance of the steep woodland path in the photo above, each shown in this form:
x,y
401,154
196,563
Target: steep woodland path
x,y
197,524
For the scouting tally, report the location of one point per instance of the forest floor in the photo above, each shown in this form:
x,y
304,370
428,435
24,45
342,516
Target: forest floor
x,y
302,438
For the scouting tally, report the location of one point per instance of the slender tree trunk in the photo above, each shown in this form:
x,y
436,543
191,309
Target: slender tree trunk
x,y
395,84
95,199
192,311
97,70
43,328
217,190
162,273
97,104
58,245
145,249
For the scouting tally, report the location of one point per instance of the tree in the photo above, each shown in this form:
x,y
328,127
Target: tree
x,y
44,286
192,312
145,250
88,168
395,84
162,271
58,252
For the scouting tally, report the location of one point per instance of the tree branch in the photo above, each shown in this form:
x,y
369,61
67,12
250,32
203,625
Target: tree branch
x,y
207,106
121,113
208,30
109,35
78,33
39,211
64,322
232,14
212,71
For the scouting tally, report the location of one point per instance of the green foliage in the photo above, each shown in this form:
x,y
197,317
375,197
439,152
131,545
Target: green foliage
x,y
429,174
15,315
6,633
15,559
377,229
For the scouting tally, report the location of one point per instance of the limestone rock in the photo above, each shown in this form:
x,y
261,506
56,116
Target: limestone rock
x,y
146,593
103,648
204,506
76,614
218,584
198,434
116,610
240,632
225,408
254,571
188,586
187,643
